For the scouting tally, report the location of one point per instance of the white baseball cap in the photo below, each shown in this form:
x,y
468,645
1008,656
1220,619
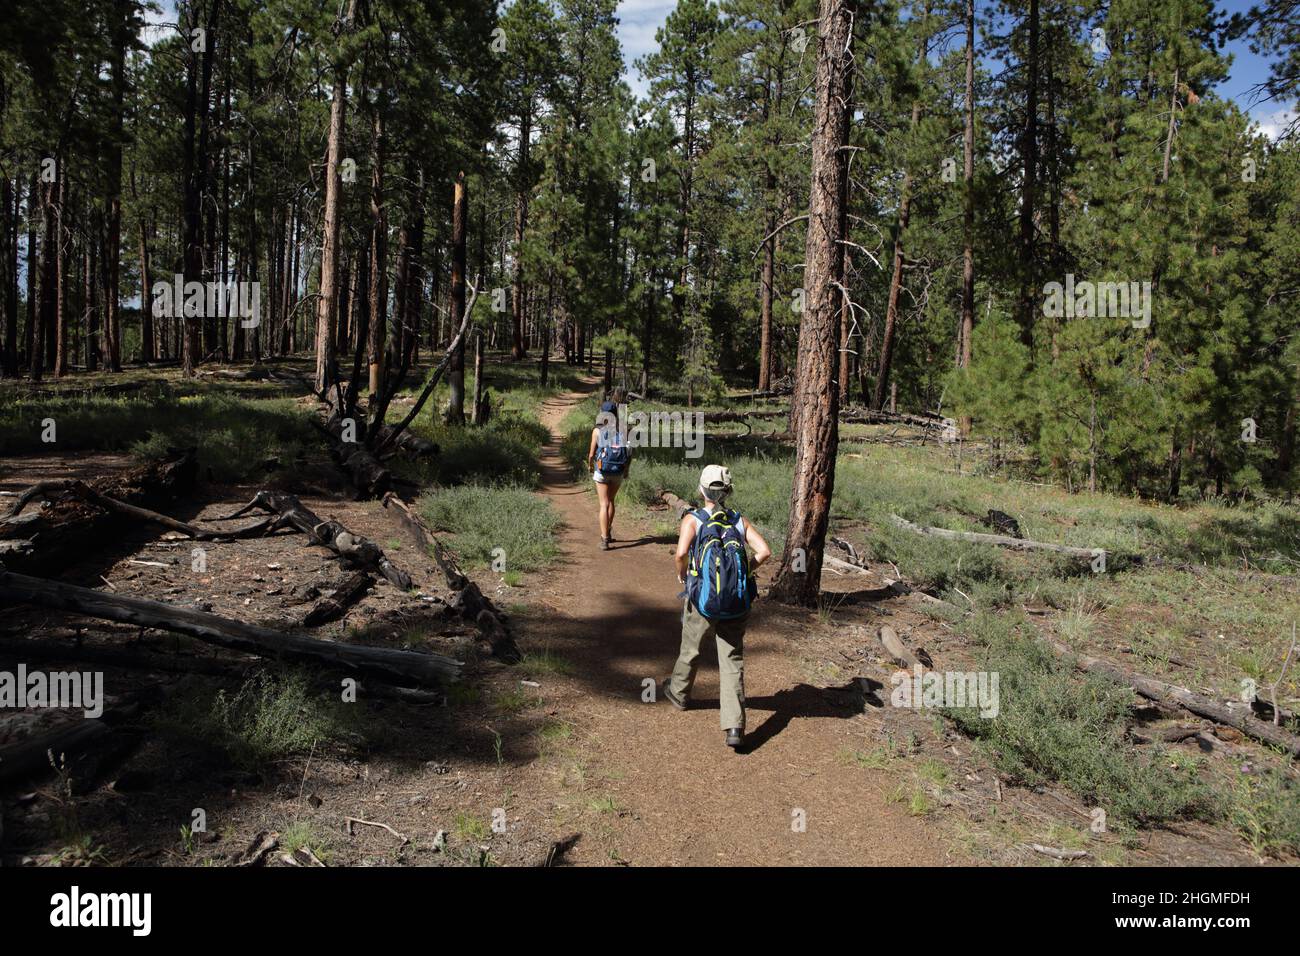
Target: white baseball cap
x,y
715,478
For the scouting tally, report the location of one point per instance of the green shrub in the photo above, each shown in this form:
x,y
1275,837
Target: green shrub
x,y
269,717
1054,724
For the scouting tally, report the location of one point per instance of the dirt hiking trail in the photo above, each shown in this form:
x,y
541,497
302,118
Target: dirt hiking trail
x,y
679,795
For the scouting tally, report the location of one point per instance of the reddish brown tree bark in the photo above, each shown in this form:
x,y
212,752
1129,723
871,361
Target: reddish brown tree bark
x,y
798,580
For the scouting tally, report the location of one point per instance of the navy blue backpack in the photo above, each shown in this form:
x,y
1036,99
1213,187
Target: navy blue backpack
x,y
718,581
612,456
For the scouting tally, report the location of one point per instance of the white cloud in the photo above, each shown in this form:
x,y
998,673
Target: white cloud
x,y
1276,123
638,21
158,23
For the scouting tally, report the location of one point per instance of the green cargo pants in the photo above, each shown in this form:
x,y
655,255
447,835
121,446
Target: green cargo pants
x,y
730,636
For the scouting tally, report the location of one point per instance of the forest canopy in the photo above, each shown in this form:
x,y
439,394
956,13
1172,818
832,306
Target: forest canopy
x,y
1002,157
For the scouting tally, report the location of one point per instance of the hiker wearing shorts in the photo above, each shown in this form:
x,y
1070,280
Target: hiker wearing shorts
x,y
612,458
712,561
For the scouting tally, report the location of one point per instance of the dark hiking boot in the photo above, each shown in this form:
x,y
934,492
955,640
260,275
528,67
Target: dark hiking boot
x,y
604,544
735,737
673,698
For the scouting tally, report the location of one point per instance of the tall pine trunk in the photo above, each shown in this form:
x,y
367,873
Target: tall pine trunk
x,y
896,278
112,254
1029,190
456,366
327,304
968,209
798,580
517,350
377,292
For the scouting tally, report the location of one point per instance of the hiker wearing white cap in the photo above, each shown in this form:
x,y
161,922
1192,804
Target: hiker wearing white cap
x,y
612,458
713,563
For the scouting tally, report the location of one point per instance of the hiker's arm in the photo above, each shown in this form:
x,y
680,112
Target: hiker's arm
x,y
756,541
685,537
591,449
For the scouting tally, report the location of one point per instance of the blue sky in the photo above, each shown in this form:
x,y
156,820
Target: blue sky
x,y
638,20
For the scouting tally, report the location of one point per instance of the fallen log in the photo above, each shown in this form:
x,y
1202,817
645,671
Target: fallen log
x,y
365,472
79,747
336,605
115,655
467,599
1001,540
845,567
677,504
69,527
893,587
426,539
554,854
355,551
76,488
857,415
719,418
1057,853
1171,694
226,668
899,652
381,662
413,445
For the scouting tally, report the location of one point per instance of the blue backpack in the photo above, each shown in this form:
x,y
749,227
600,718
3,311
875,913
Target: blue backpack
x,y
612,456
718,582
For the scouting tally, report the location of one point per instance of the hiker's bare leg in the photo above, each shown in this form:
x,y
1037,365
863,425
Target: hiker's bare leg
x,y
613,496
602,492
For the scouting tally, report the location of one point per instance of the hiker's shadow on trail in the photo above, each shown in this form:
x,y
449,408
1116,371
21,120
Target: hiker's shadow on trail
x,y
639,542
804,700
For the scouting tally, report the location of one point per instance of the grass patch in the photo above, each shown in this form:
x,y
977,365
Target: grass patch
x,y
472,828
299,835
461,694
1266,811
1053,724
515,701
502,452
604,804
875,759
544,663
235,435
268,718
553,737
485,518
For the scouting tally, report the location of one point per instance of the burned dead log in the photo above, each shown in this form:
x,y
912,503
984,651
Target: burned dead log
x,y
79,748
383,663
115,655
233,668
357,552
1002,523
336,605
1173,695
75,488
69,526
466,598
412,445
365,472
